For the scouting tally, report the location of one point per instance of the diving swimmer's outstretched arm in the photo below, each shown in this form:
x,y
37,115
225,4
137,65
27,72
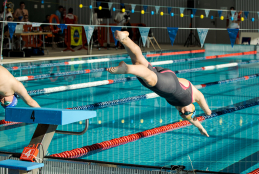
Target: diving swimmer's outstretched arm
x,y
199,98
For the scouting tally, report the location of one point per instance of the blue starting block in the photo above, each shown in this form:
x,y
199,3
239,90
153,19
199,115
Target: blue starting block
x,y
20,165
48,120
47,115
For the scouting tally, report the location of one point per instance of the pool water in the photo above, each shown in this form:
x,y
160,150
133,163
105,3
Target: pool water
x,y
233,137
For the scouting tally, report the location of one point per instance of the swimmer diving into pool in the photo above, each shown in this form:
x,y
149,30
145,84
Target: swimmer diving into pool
x,y
10,88
178,92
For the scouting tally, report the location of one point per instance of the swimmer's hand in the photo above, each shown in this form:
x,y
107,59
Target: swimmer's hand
x,y
208,112
203,132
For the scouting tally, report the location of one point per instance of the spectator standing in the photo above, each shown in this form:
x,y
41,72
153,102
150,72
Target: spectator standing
x,y
7,14
120,18
96,21
234,24
21,12
6,31
59,13
70,18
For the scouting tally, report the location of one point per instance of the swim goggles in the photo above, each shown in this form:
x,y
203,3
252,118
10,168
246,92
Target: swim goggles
x,y
8,104
188,113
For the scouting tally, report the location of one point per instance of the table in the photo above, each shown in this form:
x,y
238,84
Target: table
x,y
252,37
32,34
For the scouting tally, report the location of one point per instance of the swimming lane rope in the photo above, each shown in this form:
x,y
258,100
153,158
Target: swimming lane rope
x,y
149,96
98,60
126,79
78,152
86,71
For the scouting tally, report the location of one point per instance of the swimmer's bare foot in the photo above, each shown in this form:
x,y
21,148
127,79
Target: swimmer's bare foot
x,y
121,35
121,69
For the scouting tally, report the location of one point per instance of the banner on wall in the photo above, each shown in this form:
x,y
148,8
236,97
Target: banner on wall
x,y
157,9
11,27
88,32
76,36
172,32
202,32
207,12
113,29
144,33
233,35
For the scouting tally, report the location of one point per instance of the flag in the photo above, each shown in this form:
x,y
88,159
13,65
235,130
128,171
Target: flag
x,y
207,11
172,32
113,30
11,27
110,5
144,33
202,32
88,32
157,9
232,35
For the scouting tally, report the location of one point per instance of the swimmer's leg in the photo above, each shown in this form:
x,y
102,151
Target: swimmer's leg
x,y
139,70
133,50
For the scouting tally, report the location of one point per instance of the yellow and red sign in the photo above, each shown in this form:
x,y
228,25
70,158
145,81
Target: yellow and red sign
x,y
76,36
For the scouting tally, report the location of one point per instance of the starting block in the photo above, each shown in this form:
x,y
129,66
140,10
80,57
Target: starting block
x,y
48,120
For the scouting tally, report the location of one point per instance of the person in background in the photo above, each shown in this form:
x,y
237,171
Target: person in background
x,y
96,21
129,29
46,19
234,24
6,31
7,14
121,20
59,13
70,18
76,17
26,18
21,12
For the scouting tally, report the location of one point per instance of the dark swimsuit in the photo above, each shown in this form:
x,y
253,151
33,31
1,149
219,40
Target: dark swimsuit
x,y
169,87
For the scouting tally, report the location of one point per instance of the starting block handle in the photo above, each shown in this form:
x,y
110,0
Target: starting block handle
x,y
75,133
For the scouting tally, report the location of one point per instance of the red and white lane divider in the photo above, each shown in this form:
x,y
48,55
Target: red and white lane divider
x,y
91,61
256,171
86,71
175,53
154,95
112,81
75,153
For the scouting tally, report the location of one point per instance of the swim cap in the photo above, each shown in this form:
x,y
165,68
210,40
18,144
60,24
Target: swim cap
x,y
13,103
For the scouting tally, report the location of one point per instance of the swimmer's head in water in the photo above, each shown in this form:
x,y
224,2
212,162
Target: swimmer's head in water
x,y
189,115
10,101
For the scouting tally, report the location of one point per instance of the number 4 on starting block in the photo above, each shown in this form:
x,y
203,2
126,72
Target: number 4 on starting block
x,y
29,153
47,115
